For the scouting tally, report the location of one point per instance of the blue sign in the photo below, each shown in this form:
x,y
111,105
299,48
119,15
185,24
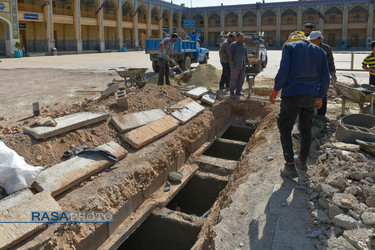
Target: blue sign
x,y
166,28
22,25
29,16
2,6
189,23
198,30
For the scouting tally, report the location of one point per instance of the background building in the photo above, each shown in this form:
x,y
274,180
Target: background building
x,y
98,25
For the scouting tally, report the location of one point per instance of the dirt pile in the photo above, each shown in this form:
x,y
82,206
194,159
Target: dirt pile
x,y
206,75
341,193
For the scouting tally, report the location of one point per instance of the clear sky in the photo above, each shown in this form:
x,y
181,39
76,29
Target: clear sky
x,y
205,3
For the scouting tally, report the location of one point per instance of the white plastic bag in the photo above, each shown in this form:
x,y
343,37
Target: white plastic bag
x,y
15,173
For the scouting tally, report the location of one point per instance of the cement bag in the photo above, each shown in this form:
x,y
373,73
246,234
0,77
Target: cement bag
x,y
15,173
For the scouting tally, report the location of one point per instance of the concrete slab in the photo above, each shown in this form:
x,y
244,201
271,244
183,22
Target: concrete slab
x,y
109,91
127,122
217,165
15,198
65,175
66,123
198,92
189,111
182,103
12,233
209,98
143,135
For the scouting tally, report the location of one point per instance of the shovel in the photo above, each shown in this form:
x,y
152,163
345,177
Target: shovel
x,y
184,76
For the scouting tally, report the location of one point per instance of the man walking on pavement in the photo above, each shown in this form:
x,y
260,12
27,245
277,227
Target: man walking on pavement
x,y
304,78
166,50
224,60
237,58
368,64
316,38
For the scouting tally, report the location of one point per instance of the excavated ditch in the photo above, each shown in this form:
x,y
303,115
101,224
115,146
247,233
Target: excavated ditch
x,y
182,217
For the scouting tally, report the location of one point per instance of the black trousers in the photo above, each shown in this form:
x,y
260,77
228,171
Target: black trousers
x,y
225,76
163,71
372,79
290,108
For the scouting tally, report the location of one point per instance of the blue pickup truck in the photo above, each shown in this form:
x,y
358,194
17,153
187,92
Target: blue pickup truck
x,y
185,52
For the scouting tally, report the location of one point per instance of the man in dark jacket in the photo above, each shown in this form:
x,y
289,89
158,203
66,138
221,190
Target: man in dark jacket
x,y
304,79
224,60
317,38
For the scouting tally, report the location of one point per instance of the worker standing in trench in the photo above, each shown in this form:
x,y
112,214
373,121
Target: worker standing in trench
x,y
303,78
316,38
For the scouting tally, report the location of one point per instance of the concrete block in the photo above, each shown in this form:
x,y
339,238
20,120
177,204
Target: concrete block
x,y
127,122
109,91
189,111
150,132
218,165
122,100
15,198
198,92
13,233
65,175
66,124
209,99
349,133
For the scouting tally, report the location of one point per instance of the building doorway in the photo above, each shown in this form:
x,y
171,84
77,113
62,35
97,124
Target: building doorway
x,y
332,40
355,40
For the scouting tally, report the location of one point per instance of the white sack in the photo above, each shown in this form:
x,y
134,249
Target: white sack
x,y
15,173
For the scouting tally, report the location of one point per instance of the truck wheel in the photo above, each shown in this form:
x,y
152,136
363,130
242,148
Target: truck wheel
x,y
264,63
186,63
204,60
155,66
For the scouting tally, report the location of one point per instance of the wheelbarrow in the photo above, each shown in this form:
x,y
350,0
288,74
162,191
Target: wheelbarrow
x,y
132,77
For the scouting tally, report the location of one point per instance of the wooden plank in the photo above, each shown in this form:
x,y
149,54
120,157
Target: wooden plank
x,y
189,111
124,123
198,92
66,123
209,98
65,175
143,135
13,233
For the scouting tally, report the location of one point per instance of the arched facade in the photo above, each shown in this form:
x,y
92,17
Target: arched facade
x,y
249,22
231,22
333,26
357,26
289,19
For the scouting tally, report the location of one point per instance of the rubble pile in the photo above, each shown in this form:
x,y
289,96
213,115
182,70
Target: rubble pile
x,y
341,193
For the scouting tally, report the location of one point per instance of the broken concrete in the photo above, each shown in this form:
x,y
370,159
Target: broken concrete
x,y
198,92
127,122
109,91
65,175
66,124
12,233
152,131
189,111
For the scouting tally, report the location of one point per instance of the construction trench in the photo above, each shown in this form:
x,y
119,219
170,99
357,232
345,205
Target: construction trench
x,y
207,150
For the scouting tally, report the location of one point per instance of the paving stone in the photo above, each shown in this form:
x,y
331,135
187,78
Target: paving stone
x,y
345,221
143,135
345,200
124,123
12,233
346,146
65,175
198,92
66,124
358,238
209,98
189,111
368,218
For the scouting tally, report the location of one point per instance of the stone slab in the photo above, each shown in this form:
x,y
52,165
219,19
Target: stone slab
x,y
182,103
66,124
109,91
152,131
12,233
198,92
218,165
189,111
15,198
209,99
127,122
65,175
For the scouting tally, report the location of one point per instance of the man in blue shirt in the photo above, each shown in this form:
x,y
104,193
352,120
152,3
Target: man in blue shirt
x,y
237,58
303,77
